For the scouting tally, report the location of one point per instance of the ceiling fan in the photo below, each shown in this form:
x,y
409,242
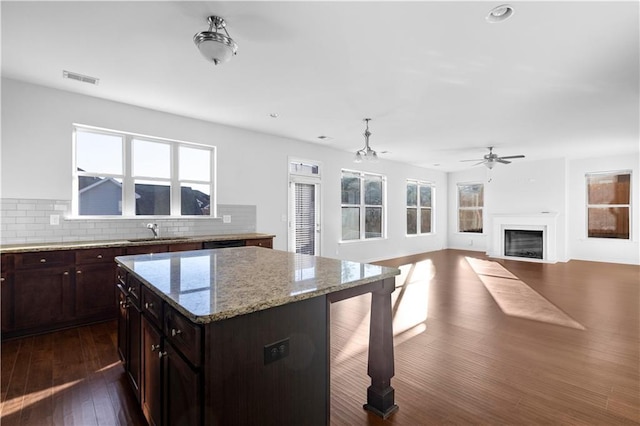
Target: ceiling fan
x,y
491,159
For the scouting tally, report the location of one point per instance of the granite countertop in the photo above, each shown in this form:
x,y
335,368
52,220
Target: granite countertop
x,y
211,285
22,248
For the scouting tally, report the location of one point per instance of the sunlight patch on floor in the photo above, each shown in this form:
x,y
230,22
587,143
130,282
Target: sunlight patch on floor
x,y
410,305
14,405
516,298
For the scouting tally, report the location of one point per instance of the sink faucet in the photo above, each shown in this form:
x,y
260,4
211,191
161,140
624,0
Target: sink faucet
x,y
154,229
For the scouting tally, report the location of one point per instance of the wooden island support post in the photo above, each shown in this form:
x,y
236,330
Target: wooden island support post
x,y
244,332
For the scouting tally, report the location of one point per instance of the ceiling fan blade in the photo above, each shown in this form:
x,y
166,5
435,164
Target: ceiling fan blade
x,y
513,156
478,159
477,164
503,161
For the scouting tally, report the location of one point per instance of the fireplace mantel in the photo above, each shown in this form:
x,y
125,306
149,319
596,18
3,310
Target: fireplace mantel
x,y
546,222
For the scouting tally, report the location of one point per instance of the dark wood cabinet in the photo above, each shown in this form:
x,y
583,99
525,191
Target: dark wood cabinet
x,y
94,291
185,246
42,298
171,386
52,289
41,295
152,352
261,242
182,390
129,331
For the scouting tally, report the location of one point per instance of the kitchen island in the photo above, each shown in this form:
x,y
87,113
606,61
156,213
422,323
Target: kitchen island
x,y
241,335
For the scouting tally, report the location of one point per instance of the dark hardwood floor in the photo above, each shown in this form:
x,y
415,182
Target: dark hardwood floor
x,y
459,358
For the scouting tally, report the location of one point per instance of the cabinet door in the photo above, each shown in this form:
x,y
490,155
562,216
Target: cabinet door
x,y
123,352
94,291
42,298
134,365
182,390
151,370
6,297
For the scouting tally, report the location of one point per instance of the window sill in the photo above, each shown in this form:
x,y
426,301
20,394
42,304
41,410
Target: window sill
x,y
148,218
361,241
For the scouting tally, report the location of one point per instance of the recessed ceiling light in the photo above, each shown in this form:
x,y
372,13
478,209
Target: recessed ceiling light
x,y
273,115
500,13
79,77
323,137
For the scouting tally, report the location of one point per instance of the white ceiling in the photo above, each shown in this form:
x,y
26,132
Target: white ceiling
x,y
440,83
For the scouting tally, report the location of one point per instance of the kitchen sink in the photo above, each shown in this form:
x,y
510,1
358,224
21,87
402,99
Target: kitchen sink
x,y
139,240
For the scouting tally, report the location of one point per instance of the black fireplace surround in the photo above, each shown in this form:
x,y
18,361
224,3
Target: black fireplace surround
x,y
523,243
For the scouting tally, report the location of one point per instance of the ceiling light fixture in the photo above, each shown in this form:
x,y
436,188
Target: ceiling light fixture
x,y
366,153
500,13
215,46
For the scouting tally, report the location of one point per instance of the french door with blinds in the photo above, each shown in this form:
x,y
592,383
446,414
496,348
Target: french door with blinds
x,y
304,226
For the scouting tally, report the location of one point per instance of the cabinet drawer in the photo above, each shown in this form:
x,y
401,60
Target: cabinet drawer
x,y
152,307
104,255
184,335
133,290
43,259
121,276
262,242
185,246
148,249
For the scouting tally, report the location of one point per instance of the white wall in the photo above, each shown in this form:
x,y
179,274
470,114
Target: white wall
x,y
252,167
602,249
529,187
553,186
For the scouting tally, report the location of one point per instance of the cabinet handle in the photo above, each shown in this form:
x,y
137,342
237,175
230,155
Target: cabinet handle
x,y
43,260
175,332
78,272
1,280
162,354
65,273
148,305
155,348
99,256
124,304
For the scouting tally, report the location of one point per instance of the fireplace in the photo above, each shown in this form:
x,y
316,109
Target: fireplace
x,y
524,243
535,235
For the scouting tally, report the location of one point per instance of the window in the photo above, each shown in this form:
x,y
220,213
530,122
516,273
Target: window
x,y
419,207
608,205
363,199
470,204
122,174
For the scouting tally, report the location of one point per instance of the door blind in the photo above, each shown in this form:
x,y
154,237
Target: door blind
x,y
305,226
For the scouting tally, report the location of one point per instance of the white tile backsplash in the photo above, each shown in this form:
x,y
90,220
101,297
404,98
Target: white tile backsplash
x,y
25,221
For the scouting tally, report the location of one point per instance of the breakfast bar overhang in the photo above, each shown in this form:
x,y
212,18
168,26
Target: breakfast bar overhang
x,y
264,317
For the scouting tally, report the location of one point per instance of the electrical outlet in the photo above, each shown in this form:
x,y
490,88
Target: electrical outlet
x,y
226,218
54,219
276,351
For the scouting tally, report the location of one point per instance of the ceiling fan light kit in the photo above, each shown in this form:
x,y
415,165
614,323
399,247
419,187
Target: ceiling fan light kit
x,y
213,45
490,160
366,153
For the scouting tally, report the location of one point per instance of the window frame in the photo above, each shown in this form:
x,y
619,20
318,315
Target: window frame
x,y
418,207
589,206
363,207
459,208
128,209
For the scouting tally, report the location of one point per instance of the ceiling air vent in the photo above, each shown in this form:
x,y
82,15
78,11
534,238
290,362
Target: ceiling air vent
x,y
79,77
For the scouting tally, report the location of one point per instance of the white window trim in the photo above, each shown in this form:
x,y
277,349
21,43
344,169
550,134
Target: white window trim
x,y
588,206
128,200
363,207
458,208
418,208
